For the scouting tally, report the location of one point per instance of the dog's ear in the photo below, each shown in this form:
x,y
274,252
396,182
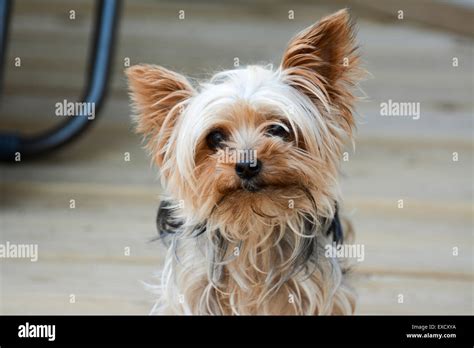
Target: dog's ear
x,y
159,96
324,57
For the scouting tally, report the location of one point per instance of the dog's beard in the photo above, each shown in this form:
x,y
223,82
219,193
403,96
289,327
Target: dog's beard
x,y
266,264
242,209
250,251
253,253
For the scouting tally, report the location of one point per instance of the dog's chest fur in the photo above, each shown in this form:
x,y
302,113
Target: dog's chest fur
x,y
271,271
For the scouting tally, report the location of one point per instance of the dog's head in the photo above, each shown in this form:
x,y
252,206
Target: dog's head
x,y
254,141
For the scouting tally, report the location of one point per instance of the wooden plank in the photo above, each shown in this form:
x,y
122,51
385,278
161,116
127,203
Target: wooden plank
x,y
47,304
45,288
443,15
393,55
88,230
116,289
433,129
428,296
419,163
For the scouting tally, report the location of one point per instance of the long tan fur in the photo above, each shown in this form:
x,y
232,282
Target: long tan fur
x,y
260,252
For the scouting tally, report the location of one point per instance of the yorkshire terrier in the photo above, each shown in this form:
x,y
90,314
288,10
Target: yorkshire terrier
x,y
249,165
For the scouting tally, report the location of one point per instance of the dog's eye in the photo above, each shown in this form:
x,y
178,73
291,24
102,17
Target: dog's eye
x,y
277,130
215,139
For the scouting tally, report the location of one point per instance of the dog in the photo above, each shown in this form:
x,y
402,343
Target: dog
x,y
249,165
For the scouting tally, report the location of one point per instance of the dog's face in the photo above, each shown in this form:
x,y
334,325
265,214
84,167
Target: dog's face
x,y
254,141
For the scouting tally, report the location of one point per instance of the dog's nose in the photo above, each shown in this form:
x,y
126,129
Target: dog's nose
x,y
248,170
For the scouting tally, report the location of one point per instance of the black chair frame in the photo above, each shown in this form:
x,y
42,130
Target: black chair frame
x,y
101,58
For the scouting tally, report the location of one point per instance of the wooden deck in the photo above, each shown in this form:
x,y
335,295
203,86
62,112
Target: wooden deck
x,y
408,251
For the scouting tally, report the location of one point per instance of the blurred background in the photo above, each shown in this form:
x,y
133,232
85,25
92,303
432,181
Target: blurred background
x,y
93,259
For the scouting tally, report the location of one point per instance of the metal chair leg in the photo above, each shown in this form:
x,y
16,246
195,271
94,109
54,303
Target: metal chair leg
x,y
99,70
